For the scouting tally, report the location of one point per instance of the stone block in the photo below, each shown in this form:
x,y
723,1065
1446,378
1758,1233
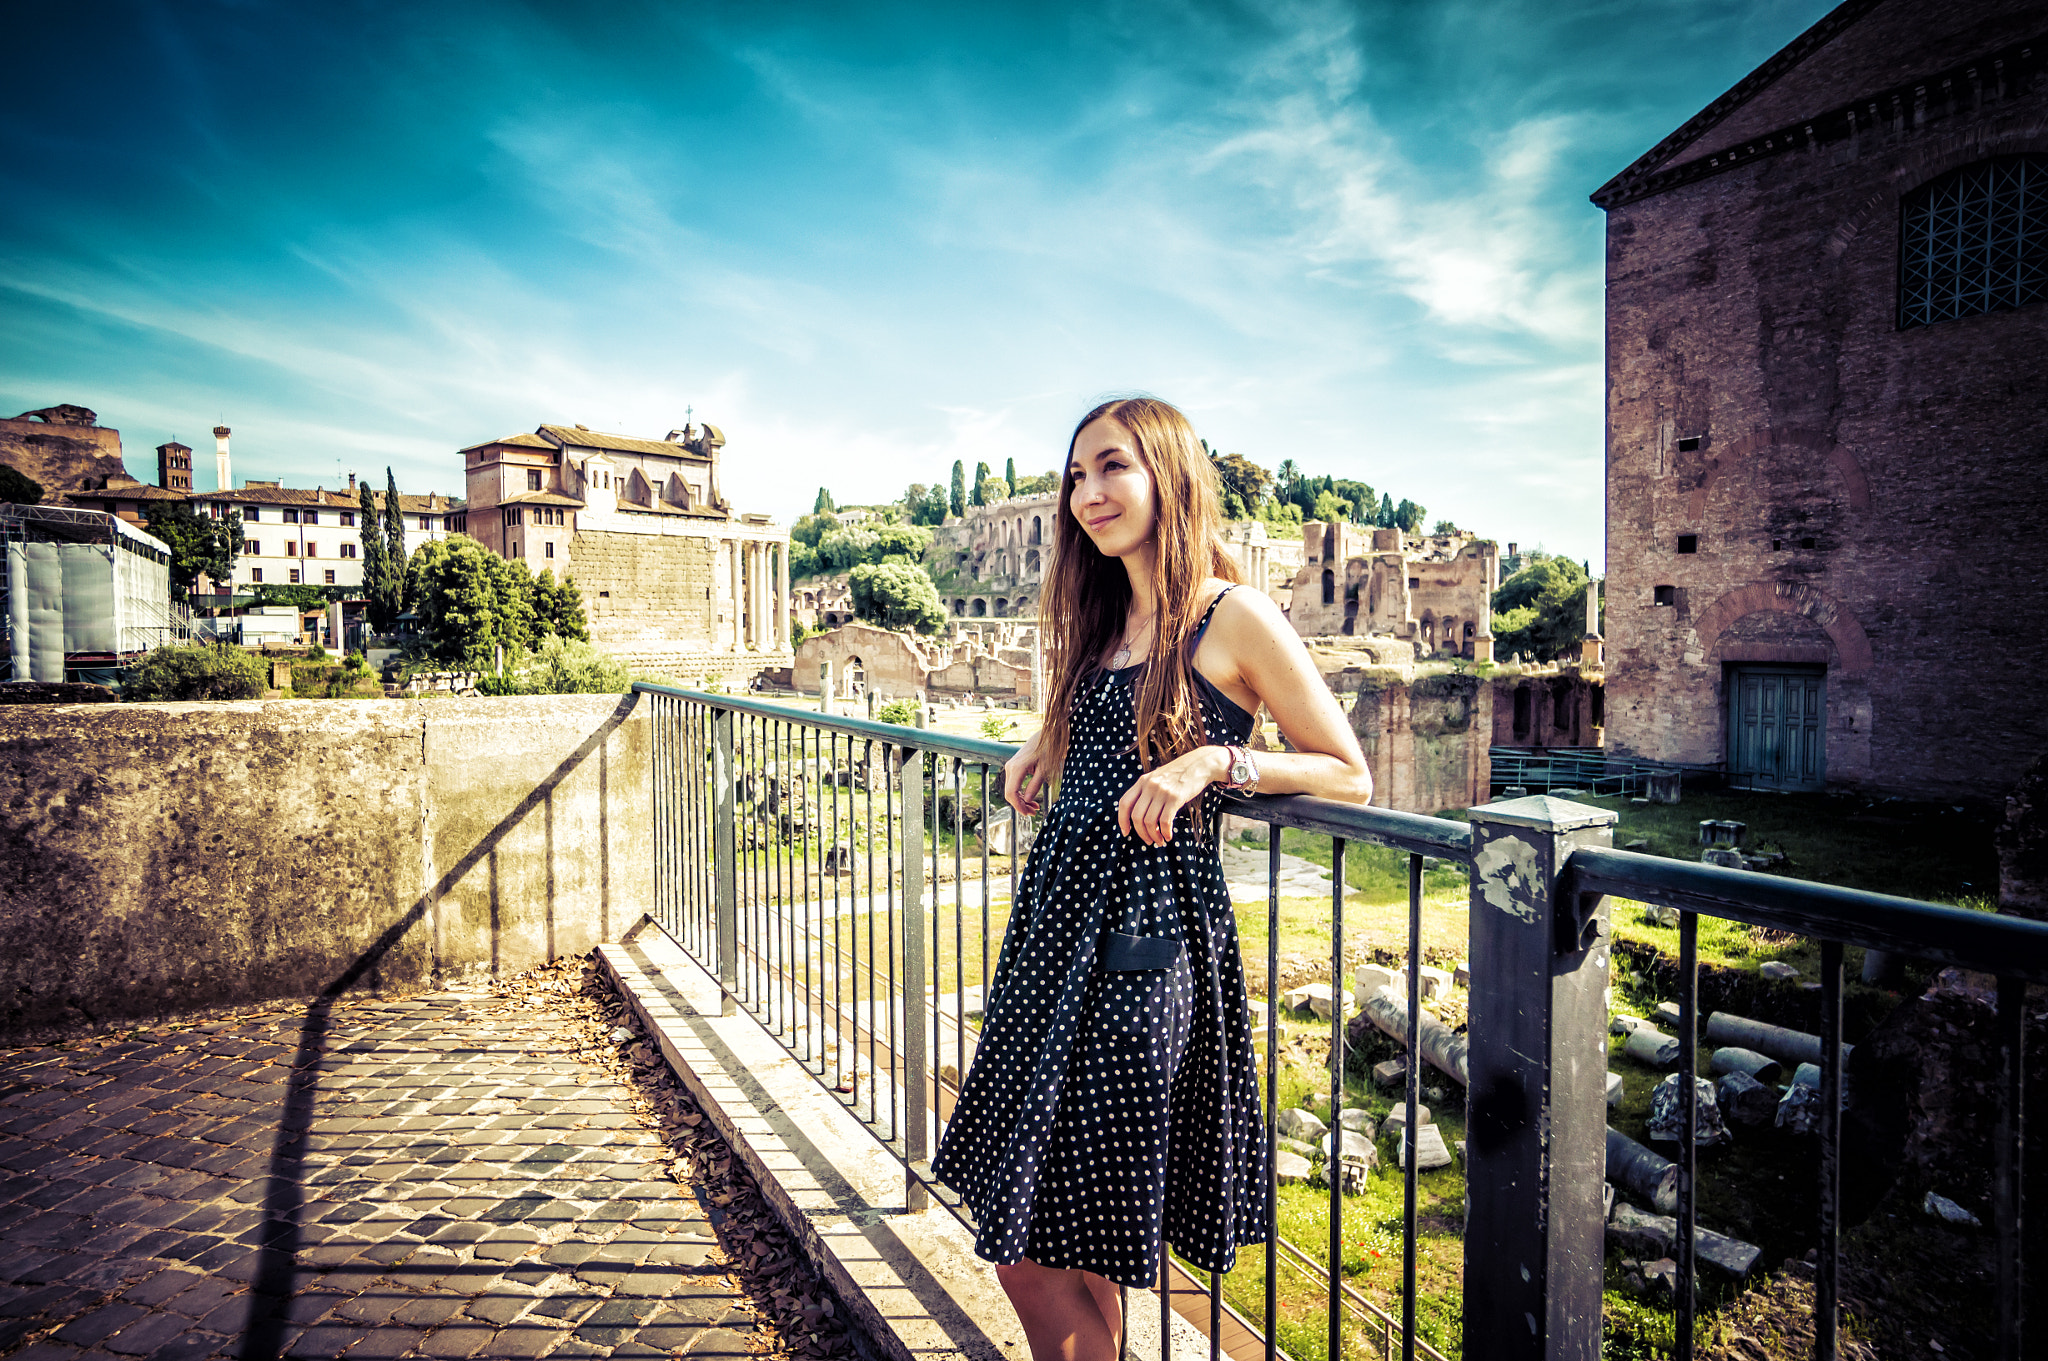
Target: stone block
x,y
1297,1123
1397,1118
1433,981
1391,1073
1291,1169
1777,971
1430,1152
1374,978
1614,1089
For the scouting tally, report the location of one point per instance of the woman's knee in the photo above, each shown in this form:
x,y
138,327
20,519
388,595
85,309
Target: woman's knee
x,y
1026,1280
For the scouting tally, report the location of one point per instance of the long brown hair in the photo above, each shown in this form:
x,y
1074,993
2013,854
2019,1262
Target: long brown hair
x,y
1087,594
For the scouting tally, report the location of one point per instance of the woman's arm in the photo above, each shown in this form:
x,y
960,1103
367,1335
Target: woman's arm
x,y
1254,656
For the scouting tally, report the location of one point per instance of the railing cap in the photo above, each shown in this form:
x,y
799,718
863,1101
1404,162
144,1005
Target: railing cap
x,y
1544,813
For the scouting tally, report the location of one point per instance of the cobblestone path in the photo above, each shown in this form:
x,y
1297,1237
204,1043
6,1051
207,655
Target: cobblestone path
x,y
455,1175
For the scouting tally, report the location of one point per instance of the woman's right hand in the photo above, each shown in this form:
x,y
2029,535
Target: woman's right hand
x,y
1024,776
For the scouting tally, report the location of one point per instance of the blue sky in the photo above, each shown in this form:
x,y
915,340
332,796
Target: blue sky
x,y
865,240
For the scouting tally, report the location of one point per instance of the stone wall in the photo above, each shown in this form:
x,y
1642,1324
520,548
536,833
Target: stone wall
x,y
1792,478
1561,709
1425,739
643,592
165,858
891,664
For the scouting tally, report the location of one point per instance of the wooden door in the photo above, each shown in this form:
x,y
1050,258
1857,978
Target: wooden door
x,y
1777,727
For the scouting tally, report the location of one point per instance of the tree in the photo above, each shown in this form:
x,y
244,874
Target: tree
x,y
1540,610
813,527
1408,517
18,487
823,503
896,596
300,597
459,587
1010,472
558,609
924,505
990,490
1284,478
1036,484
1240,477
1330,507
1446,527
981,478
956,499
198,543
1387,518
378,588
394,545
1364,500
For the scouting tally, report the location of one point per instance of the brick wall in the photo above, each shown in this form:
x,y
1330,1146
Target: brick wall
x,y
1865,499
1426,740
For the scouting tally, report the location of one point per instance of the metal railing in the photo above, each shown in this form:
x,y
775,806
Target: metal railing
x,y
802,859
1590,769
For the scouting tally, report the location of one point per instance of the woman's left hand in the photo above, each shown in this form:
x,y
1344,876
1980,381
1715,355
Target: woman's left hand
x,y
1148,808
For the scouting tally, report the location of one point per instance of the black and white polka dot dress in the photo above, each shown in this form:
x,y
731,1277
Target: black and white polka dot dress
x,y
1113,1094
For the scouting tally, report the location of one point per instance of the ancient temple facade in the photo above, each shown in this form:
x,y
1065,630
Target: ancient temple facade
x,y
674,579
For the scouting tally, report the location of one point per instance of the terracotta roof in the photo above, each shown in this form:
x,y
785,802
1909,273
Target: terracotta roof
x,y
541,498
433,503
140,491
522,440
622,444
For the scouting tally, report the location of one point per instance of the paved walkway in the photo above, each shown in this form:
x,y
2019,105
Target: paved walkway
x,y
455,1175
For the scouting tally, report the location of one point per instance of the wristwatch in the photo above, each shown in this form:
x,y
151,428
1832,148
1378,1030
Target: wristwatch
x,y
1244,775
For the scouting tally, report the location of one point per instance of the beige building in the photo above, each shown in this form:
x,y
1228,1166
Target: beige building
x,y
673,578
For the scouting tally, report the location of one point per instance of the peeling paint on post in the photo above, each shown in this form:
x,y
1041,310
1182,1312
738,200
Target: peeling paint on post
x,y
1537,1111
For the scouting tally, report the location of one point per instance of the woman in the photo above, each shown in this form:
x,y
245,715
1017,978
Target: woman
x,y
1113,1096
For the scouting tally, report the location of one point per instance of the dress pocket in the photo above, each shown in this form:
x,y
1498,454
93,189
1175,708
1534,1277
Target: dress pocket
x,y
1135,988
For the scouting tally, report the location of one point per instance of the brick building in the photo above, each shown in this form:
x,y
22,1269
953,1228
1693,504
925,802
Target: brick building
x,y
1826,333
1435,591
673,579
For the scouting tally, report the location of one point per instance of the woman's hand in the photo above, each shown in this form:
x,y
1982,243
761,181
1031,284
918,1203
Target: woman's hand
x,y
1148,808
1024,776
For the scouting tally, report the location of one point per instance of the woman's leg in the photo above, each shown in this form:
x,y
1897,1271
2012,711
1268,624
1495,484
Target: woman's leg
x,y
1067,1315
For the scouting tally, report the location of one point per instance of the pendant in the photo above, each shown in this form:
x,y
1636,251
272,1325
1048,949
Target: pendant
x,y
1120,659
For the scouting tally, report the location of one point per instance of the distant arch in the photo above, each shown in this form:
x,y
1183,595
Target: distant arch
x,y
1852,644
1329,586
980,607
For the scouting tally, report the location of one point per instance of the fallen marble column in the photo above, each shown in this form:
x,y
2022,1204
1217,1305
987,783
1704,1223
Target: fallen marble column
x,y
1442,1046
1787,1046
1636,1234
1647,1044
1745,1100
1637,1170
1733,1059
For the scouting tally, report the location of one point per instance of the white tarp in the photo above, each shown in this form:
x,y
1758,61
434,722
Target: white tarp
x,y
68,598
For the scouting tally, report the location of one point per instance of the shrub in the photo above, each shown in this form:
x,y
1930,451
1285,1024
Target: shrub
x,y
896,596
566,667
196,671
903,711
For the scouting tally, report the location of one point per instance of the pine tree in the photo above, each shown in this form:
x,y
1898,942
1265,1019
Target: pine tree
x,y
957,501
394,544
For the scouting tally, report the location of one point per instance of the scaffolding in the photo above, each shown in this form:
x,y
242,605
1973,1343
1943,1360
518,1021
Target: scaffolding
x,y
82,593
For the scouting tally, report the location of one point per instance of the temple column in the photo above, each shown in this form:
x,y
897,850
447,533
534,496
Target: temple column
x,y
736,571
782,594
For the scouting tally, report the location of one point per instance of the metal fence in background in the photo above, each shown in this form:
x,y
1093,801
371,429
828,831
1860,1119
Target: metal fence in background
x,y
819,867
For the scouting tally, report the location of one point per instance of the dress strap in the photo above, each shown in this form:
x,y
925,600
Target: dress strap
x,y
1195,638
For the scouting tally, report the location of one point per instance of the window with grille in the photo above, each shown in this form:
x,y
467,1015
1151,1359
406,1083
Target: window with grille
x,y
1975,240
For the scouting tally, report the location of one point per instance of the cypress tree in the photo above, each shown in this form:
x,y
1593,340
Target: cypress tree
x,y
1388,518
980,476
1010,474
394,544
823,503
957,501
376,576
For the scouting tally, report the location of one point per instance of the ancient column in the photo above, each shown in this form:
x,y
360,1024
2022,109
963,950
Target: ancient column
x,y
736,572
782,595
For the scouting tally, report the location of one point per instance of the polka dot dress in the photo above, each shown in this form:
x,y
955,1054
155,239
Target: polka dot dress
x,y
1113,1095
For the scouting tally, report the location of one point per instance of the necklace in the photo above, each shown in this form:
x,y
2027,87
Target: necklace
x,y
1121,658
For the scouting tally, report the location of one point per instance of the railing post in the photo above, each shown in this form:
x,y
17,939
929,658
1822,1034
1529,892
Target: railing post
x,y
1537,1110
916,1109
725,855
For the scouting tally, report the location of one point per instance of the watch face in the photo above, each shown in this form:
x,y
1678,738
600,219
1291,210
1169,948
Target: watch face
x,y
1240,771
